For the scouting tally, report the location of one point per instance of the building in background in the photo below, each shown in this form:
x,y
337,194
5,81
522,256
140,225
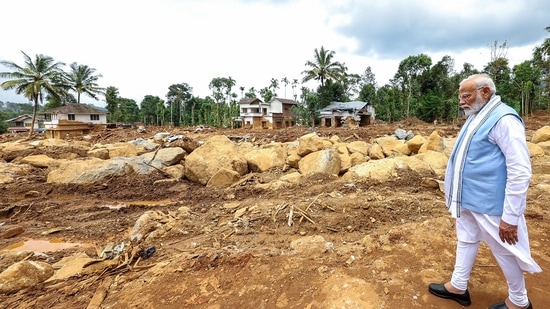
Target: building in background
x,y
256,114
72,120
23,123
347,114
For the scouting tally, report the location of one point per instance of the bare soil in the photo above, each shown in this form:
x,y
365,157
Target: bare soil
x,y
390,238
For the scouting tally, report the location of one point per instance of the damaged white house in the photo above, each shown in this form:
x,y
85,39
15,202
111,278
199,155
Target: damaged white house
x,y
347,114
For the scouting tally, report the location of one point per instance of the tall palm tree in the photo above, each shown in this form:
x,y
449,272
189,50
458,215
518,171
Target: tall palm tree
x,y
323,67
43,75
285,81
81,79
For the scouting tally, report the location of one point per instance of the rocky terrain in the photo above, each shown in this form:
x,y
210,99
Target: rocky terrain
x,y
293,218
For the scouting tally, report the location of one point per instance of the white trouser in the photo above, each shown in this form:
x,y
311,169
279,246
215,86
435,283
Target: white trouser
x,y
465,257
512,259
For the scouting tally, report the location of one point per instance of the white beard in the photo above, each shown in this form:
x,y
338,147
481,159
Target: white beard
x,y
474,108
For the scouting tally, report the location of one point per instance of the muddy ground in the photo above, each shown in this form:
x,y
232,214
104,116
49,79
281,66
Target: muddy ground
x,y
384,241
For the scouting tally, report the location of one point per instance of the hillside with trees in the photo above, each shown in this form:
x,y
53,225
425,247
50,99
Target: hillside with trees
x,y
422,88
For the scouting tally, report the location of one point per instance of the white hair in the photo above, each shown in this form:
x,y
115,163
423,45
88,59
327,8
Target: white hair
x,y
481,80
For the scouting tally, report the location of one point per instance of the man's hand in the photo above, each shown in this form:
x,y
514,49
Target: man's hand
x,y
508,233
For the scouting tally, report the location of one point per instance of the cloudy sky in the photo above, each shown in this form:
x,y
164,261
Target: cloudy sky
x,y
142,47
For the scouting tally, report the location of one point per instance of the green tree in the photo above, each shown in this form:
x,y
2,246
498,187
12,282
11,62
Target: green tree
x,y
498,68
149,108
498,63
273,87
312,102
438,92
53,102
367,84
285,82
204,111
251,93
129,110
322,68
294,85
352,85
367,94
333,91
4,115
33,79
81,79
221,93
112,100
525,77
408,77
266,94
541,59
178,95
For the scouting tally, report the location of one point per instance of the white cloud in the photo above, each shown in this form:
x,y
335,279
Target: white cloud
x,y
142,47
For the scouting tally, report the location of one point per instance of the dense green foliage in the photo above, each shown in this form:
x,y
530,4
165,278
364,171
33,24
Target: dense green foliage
x,y
422,87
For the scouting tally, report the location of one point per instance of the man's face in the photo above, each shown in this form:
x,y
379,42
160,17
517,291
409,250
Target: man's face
x,y
469,98
474,107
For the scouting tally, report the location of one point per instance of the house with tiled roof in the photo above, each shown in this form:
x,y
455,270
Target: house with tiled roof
x,y
23,123
73,119
277,114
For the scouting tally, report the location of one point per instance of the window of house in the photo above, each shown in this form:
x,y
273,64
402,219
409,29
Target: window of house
x,y
48,117
71,117
27,124
94,117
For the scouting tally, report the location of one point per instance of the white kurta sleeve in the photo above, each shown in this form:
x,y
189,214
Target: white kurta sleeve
x,y
509,135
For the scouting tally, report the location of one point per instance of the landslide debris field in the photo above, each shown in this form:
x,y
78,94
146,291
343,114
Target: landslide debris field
x,y
320,243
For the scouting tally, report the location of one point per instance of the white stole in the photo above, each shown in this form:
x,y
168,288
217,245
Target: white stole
x,y
471,126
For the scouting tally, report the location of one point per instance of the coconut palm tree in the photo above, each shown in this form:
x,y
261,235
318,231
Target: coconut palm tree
x,y
34,79
81,79
323,67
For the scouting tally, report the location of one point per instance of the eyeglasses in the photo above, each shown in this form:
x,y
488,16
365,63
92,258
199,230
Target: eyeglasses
x,y
466,96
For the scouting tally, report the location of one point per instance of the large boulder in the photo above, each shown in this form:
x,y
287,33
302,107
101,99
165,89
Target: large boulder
x,y
434,142
541,135
383,169
24,274
535,150
264,159
325,161
88,171
310,143
9,171
41,160
217,152
436,160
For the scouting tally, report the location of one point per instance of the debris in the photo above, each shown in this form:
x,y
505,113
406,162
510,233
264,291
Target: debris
x,y
56,230
148,252
290,214
172,138
111,251
100,293
350,261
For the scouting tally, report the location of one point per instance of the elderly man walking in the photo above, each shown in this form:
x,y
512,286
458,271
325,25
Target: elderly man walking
x,y
486,186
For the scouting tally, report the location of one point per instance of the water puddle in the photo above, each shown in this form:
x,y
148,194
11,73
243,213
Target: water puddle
x,y
55,244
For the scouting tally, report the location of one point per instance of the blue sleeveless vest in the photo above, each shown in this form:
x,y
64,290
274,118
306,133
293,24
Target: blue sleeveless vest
x,y
484,174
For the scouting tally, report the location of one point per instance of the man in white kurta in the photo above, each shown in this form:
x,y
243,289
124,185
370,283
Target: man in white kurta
x,y
486,186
